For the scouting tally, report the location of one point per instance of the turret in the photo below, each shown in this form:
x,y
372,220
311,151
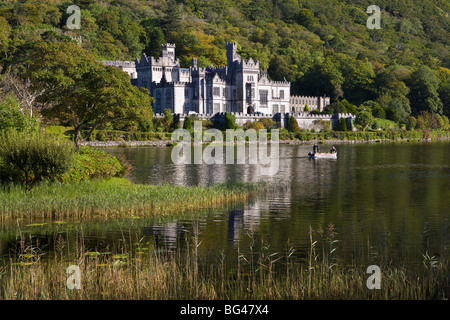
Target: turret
x,y
168,50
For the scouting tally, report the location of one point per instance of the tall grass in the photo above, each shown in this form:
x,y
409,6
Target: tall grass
x,y
146,273
113,198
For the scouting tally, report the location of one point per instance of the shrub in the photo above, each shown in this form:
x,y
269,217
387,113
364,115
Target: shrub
x,y
285,135
378,112
384,124
411,123
168,120
145,126
293,125
230,121
256,125
443,122
427,120
364,119
188,124
268,123
28,158
12,118
91,163
342,125
101,136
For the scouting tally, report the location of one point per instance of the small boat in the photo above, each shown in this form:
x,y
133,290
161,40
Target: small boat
x,y
319,155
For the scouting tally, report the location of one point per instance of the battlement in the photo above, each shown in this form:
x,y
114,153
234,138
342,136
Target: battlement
x,y
219,68
117,63
345,115
180,83
250,63
277,83
305,97
198,69
144,60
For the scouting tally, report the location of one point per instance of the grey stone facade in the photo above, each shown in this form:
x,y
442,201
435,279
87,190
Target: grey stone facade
x,y
298,103
240,86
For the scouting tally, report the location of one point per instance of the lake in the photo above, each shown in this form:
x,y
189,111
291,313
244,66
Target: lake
x,y
383,202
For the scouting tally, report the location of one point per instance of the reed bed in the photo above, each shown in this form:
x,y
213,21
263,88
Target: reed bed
x,y
113,198
147,273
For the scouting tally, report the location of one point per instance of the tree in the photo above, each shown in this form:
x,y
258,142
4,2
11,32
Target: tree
x,y
411,123
323,78
12,117
83,91
306,18
230,121
4,35
293,125
359,78
444,91
364,119
20,89
168,120
188,124
172,23
156,39
424,91
378,112
342,125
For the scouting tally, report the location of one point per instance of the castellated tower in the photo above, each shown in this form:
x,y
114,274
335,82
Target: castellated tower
x,y
232,54
236,87
168,50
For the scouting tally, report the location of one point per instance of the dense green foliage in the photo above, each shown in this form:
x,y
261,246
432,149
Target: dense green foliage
x,y
342,125
90,163
364,119
322,47
76,88
293,125
12,117
188,123
29,158
415,135
230,121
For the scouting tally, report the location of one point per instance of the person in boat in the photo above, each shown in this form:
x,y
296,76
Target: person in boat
x,y
316,148
333,150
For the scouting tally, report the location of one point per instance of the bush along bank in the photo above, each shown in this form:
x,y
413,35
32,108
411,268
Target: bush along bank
x,y
366,135
27,159
303,137
44,178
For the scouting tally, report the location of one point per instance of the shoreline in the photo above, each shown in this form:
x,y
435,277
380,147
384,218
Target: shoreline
x,y
115,198
171,143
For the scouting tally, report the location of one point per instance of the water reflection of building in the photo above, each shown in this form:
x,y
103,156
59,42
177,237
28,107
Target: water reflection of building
x,y
165,235
244,220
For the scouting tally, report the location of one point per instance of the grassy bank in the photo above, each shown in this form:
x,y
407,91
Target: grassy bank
x,y
147,273
369,135
127,137
112,198
124,139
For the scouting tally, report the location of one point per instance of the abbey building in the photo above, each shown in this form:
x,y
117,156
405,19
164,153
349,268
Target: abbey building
x,y
240,86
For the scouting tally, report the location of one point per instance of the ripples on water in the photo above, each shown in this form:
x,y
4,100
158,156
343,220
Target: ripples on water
x,y
383,200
